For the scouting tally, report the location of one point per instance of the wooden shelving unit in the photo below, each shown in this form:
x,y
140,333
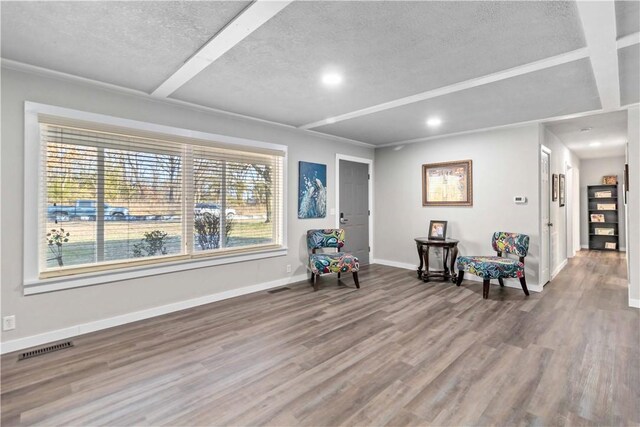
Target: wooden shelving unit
x,y
595,195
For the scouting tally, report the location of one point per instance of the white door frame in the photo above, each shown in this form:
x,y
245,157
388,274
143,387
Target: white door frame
x,y
369,163
547,150
576,210
568,219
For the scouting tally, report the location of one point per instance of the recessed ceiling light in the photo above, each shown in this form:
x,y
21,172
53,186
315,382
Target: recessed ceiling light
x,y
585,129
595,144
331,79
433,122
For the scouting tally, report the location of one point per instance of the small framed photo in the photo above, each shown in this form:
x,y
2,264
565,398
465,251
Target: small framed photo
x,y
610,179
554,188
606,206
610,245
437,230
603,195
597,218
604,231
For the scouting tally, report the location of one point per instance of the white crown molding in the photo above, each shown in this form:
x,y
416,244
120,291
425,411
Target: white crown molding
x,y
245,23
457,87
599,26
628,40
33,69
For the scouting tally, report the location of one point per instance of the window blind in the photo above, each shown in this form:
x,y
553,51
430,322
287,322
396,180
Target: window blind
x,y
111,199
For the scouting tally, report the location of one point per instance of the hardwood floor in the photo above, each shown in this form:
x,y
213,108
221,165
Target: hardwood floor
x,y
396,352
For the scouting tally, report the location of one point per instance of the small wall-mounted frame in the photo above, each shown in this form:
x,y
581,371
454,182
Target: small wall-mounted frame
x,y
561,190
437,230
447,184
554,188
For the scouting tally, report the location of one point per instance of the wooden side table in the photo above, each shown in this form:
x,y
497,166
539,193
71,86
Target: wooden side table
x,y
423,244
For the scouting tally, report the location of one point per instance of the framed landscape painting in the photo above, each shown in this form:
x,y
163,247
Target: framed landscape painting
x,y
312,190
447,184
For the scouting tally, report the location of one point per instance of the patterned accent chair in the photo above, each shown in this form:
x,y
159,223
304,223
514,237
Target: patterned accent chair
x,y
498,267
324,262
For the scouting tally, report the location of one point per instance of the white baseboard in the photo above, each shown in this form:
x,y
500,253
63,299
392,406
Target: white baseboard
x,y
635,303
395,264
559,268
621,249
510,283
84,328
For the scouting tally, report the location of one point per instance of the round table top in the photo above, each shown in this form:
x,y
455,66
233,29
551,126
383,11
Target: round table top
x,y
436,241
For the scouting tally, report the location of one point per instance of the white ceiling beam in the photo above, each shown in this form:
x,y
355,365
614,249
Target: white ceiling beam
x,y
457,87
628,40
599,25
251,18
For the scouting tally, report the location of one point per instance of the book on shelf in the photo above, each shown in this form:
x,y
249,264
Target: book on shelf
x,y
602,194
597,217
606,206
604,231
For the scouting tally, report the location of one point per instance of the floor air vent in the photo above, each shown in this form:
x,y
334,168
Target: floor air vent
x,y
275,291
45,350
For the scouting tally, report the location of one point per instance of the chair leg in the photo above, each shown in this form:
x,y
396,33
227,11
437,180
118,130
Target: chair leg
x,y
315,282
460,277
338,276
523,283
355,279
485,289
501,282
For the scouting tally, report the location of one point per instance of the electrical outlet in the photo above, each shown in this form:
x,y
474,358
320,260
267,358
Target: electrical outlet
x,y
8,323
288,268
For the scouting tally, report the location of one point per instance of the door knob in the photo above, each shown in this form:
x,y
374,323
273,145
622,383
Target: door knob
x,y
343,220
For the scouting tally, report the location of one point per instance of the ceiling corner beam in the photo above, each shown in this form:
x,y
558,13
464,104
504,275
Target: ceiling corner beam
x,y
599,25
531,67
628,40
249,20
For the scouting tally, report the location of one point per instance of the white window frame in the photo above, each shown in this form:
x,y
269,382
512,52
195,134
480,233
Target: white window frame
x,y
33,284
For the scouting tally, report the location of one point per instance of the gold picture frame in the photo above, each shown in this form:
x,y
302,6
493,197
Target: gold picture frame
x,y
447,184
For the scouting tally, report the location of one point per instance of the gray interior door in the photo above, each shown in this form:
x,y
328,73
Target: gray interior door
x,y
354,208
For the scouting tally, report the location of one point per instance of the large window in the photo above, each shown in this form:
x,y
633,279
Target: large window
x,y
114,197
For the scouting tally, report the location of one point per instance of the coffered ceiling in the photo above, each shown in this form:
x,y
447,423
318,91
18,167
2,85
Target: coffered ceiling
x,y
473,65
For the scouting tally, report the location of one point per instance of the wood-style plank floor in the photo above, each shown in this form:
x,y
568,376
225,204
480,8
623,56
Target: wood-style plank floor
x,y
396,352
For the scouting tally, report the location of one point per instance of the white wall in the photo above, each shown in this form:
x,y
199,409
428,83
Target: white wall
x,y
560,158
505,164
591,173
633,206
38,314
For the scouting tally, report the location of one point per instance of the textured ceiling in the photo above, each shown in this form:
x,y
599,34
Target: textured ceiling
x,y
135,44
555,91
386,50
629,71
627,17
609,129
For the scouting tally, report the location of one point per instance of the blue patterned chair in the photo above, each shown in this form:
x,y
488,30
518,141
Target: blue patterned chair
x,y
336,262
498,267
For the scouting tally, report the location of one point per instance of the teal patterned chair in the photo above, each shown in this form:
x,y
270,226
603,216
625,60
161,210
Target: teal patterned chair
x,y
324,262
498,267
